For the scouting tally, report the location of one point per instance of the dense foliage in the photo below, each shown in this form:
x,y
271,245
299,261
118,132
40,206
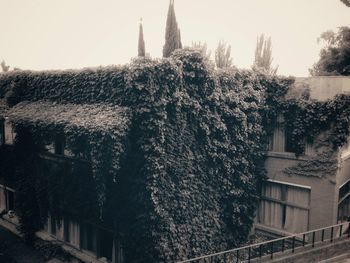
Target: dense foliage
x,y
346,2
94,132
190,158
306,119
99,85
335,56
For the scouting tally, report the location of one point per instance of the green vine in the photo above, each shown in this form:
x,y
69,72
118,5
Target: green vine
x,y
181,175
306,119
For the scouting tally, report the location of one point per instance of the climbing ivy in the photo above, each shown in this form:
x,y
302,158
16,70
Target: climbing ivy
x,y
306,119
190,157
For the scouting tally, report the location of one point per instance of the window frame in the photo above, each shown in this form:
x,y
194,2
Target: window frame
x,y
343,198
13,133
6,192
2,131
284,190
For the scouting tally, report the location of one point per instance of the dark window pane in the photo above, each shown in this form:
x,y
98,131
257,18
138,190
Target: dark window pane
x,y
106,245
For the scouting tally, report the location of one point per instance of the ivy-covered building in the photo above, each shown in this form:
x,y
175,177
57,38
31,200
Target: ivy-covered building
x,y
309,190
155,161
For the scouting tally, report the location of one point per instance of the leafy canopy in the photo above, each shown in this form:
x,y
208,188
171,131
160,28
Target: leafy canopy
x,y
223,55
335,56
263,55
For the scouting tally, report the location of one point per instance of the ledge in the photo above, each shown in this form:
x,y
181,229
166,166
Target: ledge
x,y
61,158
75,252
286,155
272,230
345,156
9,226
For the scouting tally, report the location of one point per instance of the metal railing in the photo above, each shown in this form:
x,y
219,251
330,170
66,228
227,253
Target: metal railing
x,y
269,249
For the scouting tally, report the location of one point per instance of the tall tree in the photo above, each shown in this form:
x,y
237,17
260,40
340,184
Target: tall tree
x,y
263,55
346,2
172,32
141,46
223,55
335,56
203,48
4,67
179,39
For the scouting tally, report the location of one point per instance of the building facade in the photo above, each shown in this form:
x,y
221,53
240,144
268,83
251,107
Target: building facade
x,y
302,193
310,191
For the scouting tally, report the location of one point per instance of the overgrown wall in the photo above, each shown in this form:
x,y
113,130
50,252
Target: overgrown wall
x,y
192,163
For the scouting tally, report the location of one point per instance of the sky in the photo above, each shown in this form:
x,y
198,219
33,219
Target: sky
x,y
63,34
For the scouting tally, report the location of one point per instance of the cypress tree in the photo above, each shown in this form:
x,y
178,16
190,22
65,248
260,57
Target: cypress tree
x,y
141,47
172,33
179,39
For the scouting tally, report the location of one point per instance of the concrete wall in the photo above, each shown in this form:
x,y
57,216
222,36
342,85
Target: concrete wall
x,y
324,189
323,195
322,87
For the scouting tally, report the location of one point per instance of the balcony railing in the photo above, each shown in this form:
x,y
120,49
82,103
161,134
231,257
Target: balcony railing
x,y
270,249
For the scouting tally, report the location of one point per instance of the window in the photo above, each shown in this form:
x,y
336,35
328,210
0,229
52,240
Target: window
x,y
106,244
97,240
79,148
59,144
7,199
284,206
55,227
118,252
2,199
344,202
288,144
2,132
10,200
9,133
88,238
49,147
65,229
277,142
71,232
281,140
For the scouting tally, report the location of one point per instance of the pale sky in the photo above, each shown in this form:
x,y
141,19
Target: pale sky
x,y
61,34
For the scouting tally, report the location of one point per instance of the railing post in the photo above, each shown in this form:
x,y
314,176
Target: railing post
x,y
322,237
271,249
341,230
260,251
228,255
332,234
